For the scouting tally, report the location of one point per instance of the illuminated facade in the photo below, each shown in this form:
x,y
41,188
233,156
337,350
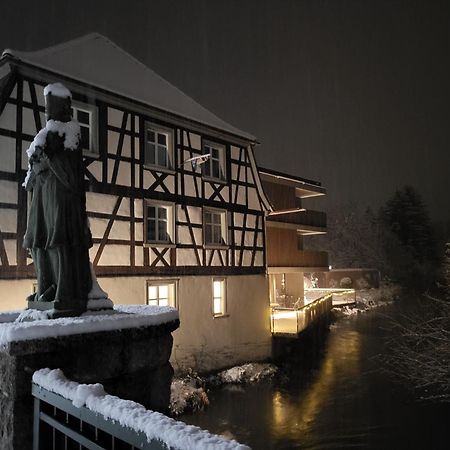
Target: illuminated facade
x,y
292,270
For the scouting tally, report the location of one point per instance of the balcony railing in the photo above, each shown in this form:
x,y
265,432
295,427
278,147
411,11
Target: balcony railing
x,y
291,322
301,217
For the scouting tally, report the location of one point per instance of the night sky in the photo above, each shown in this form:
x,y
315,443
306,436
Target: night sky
x,y
355,94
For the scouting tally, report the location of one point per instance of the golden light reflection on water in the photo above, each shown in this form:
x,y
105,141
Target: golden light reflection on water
x,y
295,418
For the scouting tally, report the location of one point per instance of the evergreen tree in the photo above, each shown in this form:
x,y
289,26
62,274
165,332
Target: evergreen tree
x,y
406,217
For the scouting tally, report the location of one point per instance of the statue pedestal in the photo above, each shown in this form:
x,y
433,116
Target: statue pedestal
x,y
132,363
52,312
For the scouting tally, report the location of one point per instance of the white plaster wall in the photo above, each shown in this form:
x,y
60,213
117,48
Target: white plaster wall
x,y
8,117
28,124
202,342
11,251
8,154
8,191
13,294
8,220
103,203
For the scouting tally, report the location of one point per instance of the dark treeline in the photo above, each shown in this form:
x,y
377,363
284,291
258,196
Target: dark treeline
x,y
399,240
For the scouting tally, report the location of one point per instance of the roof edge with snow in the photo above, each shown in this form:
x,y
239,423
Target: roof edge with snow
x,y
147,88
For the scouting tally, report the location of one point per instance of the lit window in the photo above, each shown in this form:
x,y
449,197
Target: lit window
x,y
219,297
159,224
86,115
161,293
158,143
214,167
214,222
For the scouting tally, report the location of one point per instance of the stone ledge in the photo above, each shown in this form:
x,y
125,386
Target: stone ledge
x,y
132,363
49,344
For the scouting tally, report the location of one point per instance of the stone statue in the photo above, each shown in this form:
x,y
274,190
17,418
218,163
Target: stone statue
x,y
58,235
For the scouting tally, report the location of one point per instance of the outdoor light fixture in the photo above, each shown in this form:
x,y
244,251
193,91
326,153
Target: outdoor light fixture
x,y
196,160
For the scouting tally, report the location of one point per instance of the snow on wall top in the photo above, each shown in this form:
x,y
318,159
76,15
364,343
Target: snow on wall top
x,y
154,425
58,90
96,60
123,316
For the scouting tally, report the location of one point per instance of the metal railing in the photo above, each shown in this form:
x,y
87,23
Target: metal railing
x,y
292,321
340,296
306,217
59,425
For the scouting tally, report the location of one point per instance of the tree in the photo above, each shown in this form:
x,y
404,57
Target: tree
x,y
416,262
419,352
406,216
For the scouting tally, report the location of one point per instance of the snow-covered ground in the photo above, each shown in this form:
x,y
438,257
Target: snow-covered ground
x,y
154,425
123,316
189,393
368,299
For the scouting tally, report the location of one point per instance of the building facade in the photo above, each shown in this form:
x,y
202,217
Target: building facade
x,y
169,227
292,269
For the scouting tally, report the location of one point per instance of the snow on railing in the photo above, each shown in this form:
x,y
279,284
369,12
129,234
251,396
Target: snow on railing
x,y
130,416
122,317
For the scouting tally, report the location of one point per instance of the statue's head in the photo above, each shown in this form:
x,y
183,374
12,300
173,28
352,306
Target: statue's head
x,y
58,102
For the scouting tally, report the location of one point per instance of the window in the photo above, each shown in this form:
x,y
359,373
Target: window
x,y
159,223
86,115
214,167
158,147
161,293
219,297
214,224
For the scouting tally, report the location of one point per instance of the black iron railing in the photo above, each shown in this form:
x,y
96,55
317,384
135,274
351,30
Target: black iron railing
x,y
59,425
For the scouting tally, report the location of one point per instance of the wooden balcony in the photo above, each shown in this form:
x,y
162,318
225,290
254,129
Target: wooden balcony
x,y
282,251
304,221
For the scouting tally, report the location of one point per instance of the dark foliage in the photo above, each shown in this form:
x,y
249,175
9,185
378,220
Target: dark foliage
x,y
419,352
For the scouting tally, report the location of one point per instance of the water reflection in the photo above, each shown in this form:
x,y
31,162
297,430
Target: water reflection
x,y
337,399
294,417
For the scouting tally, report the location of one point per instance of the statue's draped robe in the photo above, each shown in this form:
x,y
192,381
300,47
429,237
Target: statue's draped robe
x,y
58,234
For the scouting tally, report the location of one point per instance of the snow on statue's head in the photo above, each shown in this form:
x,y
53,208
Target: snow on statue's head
x,y
58,102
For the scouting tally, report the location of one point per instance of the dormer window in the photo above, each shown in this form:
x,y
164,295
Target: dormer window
x,y
86,115
214,167
158,147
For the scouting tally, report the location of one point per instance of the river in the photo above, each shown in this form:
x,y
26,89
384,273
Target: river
x,y
340,399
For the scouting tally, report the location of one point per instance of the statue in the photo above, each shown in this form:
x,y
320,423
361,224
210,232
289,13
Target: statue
x,y
58,235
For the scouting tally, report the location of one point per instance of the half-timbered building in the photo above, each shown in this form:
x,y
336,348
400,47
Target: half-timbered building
x,y
168,228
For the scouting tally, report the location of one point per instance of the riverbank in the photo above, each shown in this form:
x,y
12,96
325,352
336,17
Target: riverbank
x,y
369,299
189,393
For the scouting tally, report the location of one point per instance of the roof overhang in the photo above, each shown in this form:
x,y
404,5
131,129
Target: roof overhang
x,y
276,270
303,188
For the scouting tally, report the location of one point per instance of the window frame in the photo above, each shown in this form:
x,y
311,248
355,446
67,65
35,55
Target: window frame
x,y
173,302
222,178
92,110
223,298
170,220
169,133
223,227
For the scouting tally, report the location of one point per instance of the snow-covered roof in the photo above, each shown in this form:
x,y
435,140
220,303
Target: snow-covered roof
x,y
96,60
